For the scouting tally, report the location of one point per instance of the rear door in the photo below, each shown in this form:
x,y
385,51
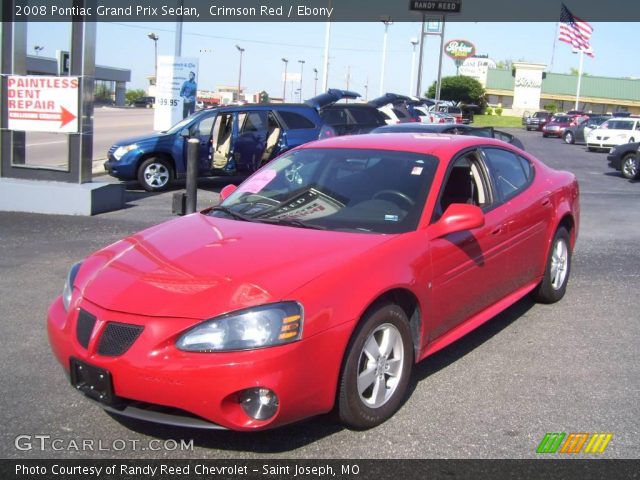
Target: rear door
x,y
251,142
527,214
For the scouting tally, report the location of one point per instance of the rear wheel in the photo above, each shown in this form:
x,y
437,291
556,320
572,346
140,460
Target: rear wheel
x,y
629,166
155,174
556,274
377,368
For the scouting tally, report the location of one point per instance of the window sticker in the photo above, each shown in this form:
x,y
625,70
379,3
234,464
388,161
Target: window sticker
x,y
258,181
416,171
391,218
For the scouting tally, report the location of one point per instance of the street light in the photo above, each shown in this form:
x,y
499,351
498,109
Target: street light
x,y
155,38
241,50
301,62
38,49
387,21
284,82
315,82
414,41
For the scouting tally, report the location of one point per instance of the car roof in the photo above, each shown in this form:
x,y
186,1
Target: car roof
x,y
429,143
420,127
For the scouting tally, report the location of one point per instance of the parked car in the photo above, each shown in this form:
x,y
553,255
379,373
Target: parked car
x,y
317,283
558,124
613,132
429,116
537,120
455,129
144,102
396,108
624,158
233,139
350,119
454,111
578,133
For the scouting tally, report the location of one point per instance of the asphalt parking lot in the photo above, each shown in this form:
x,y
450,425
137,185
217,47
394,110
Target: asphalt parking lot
x,y
568,367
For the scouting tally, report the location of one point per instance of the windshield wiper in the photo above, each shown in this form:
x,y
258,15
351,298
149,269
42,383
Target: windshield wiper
x,y
232,214
290,222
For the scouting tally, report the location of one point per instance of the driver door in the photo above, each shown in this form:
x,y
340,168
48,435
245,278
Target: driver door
x,y
202,131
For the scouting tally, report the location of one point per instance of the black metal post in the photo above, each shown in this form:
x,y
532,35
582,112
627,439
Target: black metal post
x,y
192,174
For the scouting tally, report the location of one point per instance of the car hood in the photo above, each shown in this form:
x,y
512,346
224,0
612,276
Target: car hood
x,y
142,139
200,266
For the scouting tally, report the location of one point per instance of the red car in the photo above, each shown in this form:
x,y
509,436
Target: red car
x,y
559,123
317,283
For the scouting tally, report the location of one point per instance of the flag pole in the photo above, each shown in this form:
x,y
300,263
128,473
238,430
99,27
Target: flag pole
x,y
579,78
553,51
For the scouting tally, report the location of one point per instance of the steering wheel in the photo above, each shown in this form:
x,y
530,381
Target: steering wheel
x,y
396,193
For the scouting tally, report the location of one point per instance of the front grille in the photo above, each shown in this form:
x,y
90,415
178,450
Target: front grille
x,y
117,338
84,327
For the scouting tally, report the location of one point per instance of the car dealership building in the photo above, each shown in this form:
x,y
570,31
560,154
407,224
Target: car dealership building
x,y
527,88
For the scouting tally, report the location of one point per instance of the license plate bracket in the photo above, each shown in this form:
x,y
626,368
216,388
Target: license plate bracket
x,y
94,382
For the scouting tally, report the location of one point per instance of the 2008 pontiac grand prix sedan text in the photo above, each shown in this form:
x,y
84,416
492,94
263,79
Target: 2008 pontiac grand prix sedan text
x,y
317,283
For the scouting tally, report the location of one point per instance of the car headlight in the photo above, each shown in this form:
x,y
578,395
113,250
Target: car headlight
x,y
256,327
67,291
621,135
120,151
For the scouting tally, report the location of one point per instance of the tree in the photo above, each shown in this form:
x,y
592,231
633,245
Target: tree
x,y
575,71
132,95
264,97
460,89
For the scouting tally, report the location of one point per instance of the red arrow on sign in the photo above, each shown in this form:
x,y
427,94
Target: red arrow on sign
x,y
64,116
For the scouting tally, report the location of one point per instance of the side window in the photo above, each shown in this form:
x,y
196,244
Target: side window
x,y
295,121
254,122
203,128
465,183
511,173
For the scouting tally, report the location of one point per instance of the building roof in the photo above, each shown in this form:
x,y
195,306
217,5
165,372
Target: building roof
x,y
564,84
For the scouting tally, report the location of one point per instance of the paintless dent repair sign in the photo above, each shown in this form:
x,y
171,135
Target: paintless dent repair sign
x,y
43,104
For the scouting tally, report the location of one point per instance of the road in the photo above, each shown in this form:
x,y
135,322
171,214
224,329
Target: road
x,y
109,125
568,367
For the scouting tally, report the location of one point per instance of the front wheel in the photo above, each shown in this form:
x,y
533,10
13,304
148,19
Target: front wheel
x,y
568,138
556,274
377,368
155,174
629,166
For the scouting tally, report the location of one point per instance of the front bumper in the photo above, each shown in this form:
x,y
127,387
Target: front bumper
x,y
154,376
119,169
615,161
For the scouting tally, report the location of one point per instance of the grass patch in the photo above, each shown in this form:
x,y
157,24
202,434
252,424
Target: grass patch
x,y
496,121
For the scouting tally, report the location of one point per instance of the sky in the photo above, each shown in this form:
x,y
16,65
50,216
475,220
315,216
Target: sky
x,y
355,51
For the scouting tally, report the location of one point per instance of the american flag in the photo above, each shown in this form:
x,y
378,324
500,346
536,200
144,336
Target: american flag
x,y
574,31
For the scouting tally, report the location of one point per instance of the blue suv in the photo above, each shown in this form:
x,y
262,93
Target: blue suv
x,y
233,139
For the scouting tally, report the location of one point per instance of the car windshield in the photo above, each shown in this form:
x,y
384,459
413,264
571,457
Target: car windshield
x,y
561,119
182,124
353,190
617,125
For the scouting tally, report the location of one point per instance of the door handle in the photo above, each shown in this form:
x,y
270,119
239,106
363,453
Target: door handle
x,y
546,202
497,230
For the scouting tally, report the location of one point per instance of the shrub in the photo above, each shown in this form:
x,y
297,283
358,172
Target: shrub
x,y
499,111
488,111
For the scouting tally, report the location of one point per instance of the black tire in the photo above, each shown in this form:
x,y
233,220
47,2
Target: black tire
x,y
544,135
155,174
552,288
364,409
629,167
569,138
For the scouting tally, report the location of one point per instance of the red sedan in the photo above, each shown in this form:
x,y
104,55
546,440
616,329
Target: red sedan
x,y
559,124
317,284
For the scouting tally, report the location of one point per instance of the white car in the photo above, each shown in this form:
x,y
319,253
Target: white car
x,y
429,116
613,132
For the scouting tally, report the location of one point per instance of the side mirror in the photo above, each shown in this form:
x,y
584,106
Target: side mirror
x,y
457,218
227,191
184,133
